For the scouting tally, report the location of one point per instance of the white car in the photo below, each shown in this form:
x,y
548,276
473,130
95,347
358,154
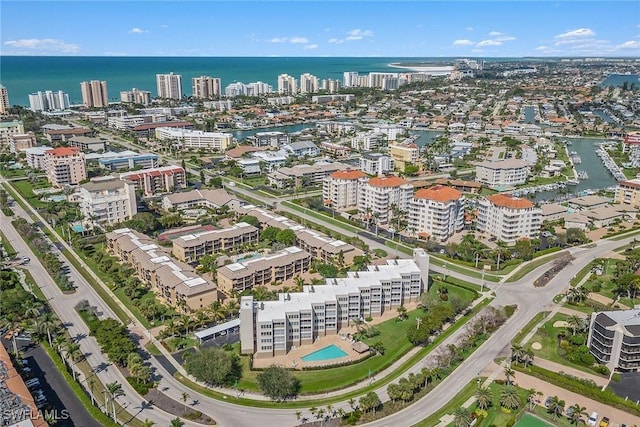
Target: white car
x,y
593,419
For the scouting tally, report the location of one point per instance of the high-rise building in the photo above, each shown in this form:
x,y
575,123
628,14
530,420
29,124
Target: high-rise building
x,y
94,94
330,85
378,197
436,212
4,100
169,86
65,166
308,83
287,84
508,218
350,79
48,101
107,200
205,87
135,96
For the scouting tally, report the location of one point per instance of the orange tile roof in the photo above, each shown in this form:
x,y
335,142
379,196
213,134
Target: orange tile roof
x,y
387,181
63,151
438,193
348,174
507,201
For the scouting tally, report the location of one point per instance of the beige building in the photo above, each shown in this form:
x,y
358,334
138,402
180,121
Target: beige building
x,y
7,129
169,86
136,96
508,218
65,166
19,142
628,193
205,87
378,196
4,100
175,282
272,328
436,212
192,247
212,199
157,180
107,201
340,189
94,94
503,173
196,139
304,175
404,154
277,267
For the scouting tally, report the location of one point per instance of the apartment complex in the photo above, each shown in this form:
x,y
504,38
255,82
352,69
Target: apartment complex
x,y
196,139
88,143
614,339
4,100
508,218
175,282
150,182
340,189
212,199
277,267
436,213
205,87
94,94
404,154
35,156
107,201
376,164
169,86
628,193
127,159
503,173
191,247
136,96
65,166
62,133
303,175
19,142
287,85
272,328
270,139
378,196
308,83
10,128
48,101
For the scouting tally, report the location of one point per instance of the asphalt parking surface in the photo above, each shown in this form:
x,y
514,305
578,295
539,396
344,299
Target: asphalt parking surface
x,y
62,400
628,386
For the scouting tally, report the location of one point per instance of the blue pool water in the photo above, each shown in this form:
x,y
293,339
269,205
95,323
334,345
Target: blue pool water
x,y
330,352
77,228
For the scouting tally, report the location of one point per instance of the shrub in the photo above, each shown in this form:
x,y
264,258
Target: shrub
x,y
596,287
604,370
615,377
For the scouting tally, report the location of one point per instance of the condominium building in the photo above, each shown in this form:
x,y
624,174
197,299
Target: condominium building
x,y
303,175
169,86
35,156
350,79
19,142
628,193
205,87
376,164
340,189
614,339
62,133
379,195
331,86
136,96
191,247
272,328
384,81
152,181
308,83
124,160
107,201
270,139
88,143
7,129
212,199
302,148
323,99
287,84
436,212
65,166
508,218
4,100
175,282
404,154
94,94
277,267
48,101
502,173
367,141
196,139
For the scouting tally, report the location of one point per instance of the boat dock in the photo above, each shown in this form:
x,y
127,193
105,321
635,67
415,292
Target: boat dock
x,y
608,163
583,175
575,158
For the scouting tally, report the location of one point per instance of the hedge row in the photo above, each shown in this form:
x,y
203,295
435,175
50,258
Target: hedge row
x,y
607,396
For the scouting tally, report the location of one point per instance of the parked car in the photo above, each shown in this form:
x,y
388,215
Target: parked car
x,y
604,422
547,402
570,411
593,419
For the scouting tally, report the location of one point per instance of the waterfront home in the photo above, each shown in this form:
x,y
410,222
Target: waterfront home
x,y
588,202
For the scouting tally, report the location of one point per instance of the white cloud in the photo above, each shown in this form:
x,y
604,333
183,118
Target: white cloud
x,y
335,41
136,30
469,28
164,26
504,38
297,39
495,33
278,40
311,46
489,43
43,46
578,33
115,53
541,48
631,44
463,42
360,33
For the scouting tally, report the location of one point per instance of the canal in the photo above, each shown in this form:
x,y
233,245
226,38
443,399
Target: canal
x,y
529,114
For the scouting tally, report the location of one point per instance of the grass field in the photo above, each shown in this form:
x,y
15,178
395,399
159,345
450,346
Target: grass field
x,y
529,420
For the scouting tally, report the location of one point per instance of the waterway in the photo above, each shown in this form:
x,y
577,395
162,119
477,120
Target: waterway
x,y
242,134
529,114
599,176
604,116
620,79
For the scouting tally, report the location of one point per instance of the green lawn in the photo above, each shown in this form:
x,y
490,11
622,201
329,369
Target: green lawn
x,y
529,420
25,188
462,396
11,252
530,266
469,271
532,323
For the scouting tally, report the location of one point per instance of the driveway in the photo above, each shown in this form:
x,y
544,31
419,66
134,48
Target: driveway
x,y
628,386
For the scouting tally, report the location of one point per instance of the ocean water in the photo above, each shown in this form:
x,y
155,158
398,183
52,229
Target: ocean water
x,y
22,75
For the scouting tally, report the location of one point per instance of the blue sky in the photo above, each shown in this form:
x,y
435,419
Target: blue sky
x,y
327,28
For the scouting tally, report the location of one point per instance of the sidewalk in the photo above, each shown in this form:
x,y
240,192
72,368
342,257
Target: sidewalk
x,y
557,367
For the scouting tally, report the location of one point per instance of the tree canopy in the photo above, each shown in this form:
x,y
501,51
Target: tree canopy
x,y
250,219
214,366
278,383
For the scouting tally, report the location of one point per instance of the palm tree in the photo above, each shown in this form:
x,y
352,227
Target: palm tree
x,y
483,397
48,323
509,398
509,373
32,310
577,413
176,422
184,397
556,406
574,323
517,353
148,423
462,417
217,311
115,390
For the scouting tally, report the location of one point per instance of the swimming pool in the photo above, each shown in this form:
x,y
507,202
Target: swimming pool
x,y
77,228
326,353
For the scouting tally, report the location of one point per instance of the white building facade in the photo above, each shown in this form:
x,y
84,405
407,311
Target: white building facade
x,y
436,213
378,196
107,201
340,189
509,218
169,86
196,139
